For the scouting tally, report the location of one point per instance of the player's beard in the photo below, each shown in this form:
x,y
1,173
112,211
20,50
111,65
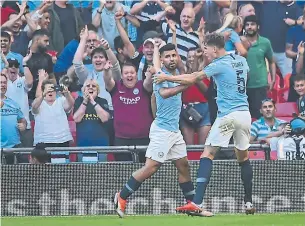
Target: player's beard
x,y
171,66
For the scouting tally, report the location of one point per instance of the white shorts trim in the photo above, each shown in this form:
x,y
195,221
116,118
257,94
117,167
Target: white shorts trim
x,y
165,145
236,124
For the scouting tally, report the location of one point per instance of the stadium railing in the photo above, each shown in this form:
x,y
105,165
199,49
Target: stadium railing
x,y
127,149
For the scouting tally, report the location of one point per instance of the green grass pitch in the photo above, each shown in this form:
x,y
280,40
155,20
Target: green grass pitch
x,y
291,219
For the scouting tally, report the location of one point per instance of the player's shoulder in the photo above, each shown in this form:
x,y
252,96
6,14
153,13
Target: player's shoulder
x,y
11,103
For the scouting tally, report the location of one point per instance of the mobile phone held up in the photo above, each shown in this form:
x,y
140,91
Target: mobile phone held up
x,y
58,88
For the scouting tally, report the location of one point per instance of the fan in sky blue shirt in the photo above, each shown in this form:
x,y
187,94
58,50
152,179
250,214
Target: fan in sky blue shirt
x,y
10,115
230,76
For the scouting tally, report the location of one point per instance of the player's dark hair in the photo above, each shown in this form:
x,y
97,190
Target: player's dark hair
x,y
167,47
4,34
128,64
299,78
41,32
99,50
215,39
118,43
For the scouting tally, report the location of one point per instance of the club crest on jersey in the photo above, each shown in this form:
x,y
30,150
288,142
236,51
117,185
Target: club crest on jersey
x,y
136,91
302,104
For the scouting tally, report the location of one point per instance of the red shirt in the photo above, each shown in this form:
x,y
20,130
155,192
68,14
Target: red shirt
x,y
5,14
193,94
132,115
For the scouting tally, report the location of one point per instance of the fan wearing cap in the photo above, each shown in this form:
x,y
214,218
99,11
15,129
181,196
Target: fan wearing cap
x,y
17,89
6,42
146,60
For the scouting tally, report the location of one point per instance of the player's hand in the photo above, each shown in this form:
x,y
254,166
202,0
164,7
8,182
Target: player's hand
x,y
84,34
92,101
42,75
119,15
21,126
27,57
171,24
289,21
301,47
108,65
271,85
48,90
159,78
86,97
104,44
170,10
286,130
150,72
65,90
201,26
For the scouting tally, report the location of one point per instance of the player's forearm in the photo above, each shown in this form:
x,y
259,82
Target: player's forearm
x,y
169,92
299,65
275,134
79,114
186,79
101,113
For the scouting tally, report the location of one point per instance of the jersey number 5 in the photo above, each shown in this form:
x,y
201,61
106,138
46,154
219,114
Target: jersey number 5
x,y
241,84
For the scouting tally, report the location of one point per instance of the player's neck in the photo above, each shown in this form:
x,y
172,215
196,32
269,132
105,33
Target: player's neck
x,y
3,97
221,53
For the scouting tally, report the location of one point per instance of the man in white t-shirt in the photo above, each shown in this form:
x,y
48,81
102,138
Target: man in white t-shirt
x,y
17,90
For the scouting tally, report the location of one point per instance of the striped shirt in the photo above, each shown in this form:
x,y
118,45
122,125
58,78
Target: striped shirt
x,y
149,12
185,41
260,129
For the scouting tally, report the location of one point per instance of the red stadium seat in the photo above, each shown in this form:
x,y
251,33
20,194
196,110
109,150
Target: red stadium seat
x,y
286,109
257,155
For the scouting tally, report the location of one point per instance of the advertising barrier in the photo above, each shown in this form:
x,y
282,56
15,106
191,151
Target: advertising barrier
x,y
86,189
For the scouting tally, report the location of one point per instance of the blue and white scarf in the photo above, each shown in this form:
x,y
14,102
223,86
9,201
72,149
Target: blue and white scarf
x,y
141,68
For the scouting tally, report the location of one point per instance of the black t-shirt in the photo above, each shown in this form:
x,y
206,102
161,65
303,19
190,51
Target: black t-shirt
x,y
91,131
67,22
36,62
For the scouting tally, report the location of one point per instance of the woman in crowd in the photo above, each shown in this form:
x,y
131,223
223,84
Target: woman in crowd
x,y
91,114
49,108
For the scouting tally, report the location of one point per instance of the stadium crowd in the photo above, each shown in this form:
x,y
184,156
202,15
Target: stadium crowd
x,y
80,73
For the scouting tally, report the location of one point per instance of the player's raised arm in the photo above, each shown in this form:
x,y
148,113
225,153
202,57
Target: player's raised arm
x,y
185,79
